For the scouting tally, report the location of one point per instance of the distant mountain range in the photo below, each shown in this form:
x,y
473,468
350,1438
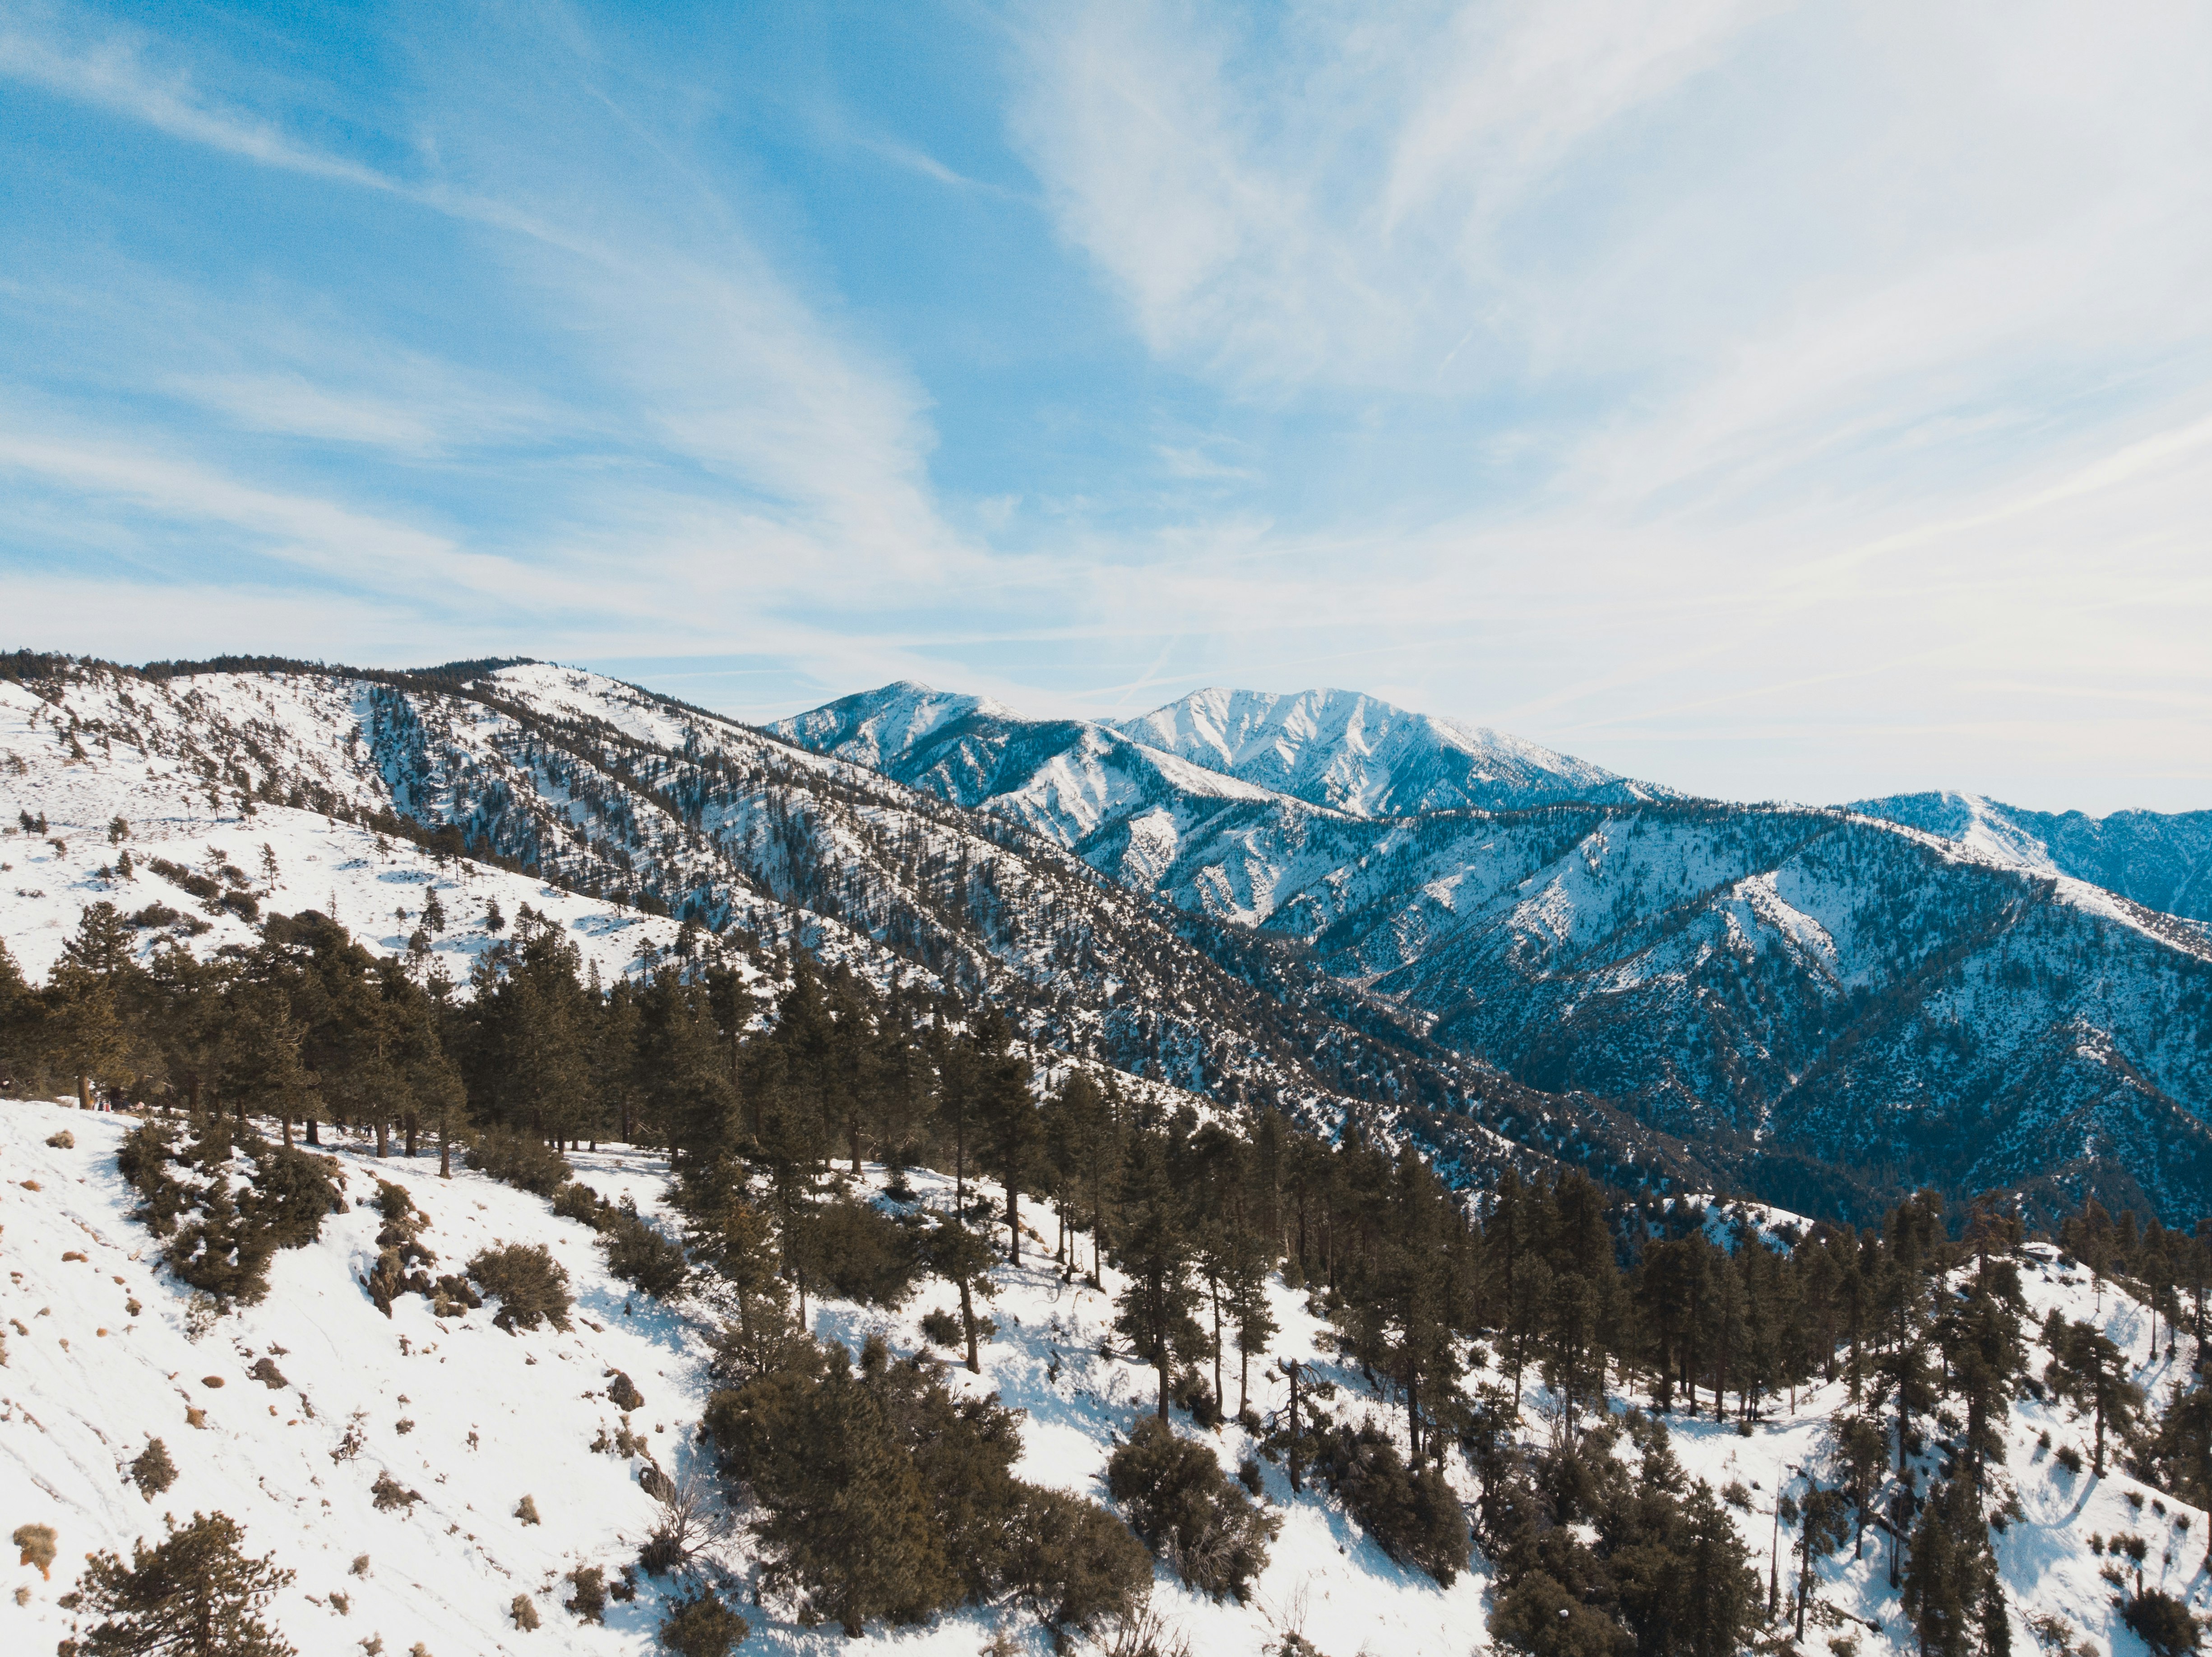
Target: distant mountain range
x,y
1926,988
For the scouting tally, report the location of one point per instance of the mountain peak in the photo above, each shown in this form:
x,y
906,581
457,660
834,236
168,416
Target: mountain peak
x,y
1356,753
872,727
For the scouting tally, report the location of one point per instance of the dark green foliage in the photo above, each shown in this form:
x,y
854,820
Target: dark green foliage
x,y
519,1160
700,1625
578,1201
889,1498
152,1471
1951,1574
2086,1367
1410,1513
1667,1576
1827,1520
530,1286
1176,1496
848,1520
854,1251
294,1191
939,1327
228,1234
142,1159
2179,1454
638,1255
965,1259
1537,1614
2163,1623
222,1250
197,1594
1073,1565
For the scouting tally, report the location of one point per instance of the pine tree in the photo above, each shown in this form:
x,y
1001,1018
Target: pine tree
x,y
259,1057
1153,1248
2088,1365
1013,1127
848,1518
22,1033
1863,1447
1949,1582
685,1091
196,1594
731,1236
963,1259
87,1028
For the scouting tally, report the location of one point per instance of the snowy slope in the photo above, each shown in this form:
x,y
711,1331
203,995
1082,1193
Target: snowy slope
x,y
494,1418
2160,860
83,1391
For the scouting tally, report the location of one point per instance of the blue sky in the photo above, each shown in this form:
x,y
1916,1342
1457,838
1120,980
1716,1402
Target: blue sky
x,y
1777,401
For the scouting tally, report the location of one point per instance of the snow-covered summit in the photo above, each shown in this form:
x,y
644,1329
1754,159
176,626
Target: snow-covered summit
x,y
876,728
1357,754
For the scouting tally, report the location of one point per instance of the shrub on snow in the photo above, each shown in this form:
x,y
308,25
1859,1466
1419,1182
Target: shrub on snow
x,y
1176,1496
530,1286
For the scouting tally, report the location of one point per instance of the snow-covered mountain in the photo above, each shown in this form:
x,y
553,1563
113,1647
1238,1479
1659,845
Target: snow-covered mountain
x,y
2162,860
1943,990
625,816
1820,1007
1362,756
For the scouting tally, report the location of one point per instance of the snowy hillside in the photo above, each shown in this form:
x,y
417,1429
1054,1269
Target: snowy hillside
x,y
475,1419
622,814
287,1416
2160,860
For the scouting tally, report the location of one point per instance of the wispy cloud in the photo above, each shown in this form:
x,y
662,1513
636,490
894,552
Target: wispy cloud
x,y
807,452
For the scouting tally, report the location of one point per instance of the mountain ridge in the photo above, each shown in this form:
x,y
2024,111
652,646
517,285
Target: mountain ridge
x,y
1820,1006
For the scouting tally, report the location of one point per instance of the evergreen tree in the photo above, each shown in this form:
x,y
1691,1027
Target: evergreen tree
x,y
1949,1579
259,1063
848,1518
2085,1364
87,1028
23,1018
686,1085
1153,1248
198,1593
963,1259
1861,1446
1013,1128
